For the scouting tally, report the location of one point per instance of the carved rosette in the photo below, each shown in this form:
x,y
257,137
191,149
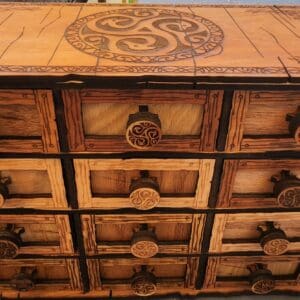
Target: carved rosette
x,y
261,279
144,193
294,125
144,244
143,130
287,189
10,243
143,284
23,281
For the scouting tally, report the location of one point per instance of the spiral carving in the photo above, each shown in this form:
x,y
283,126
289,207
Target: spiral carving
x,y
289,197
276,246
143,286
143,134
8,249
144,249
144,198
263,286
145,35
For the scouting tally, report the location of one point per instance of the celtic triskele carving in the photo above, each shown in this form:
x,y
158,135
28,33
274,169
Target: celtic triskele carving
x,y
142,286
263,286
145,35
144,249
8,249
289,197
144,198
276,246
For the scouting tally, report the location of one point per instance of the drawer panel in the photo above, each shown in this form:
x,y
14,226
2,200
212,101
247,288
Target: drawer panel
x,y
121,274
35,235
137,120
268,233
260,183
264,121
256,274
143,235
27,121
32,183
143,183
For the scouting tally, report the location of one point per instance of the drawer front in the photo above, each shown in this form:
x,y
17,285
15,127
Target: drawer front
x,y
260,183
264,121
157,274
143,183
143,236
35,276
27,121
268,233
32,183
35,235
260,275
142,120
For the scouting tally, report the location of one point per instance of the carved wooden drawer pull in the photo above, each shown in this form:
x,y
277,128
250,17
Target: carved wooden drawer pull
x,y
273,240
294,125
10,242
261,279
144,243
287,189
144,192
24,280
143,283
4,192
143,129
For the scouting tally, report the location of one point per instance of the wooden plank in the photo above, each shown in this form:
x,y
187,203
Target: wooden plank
x,y
42,203
89,234
74,274
217,233
27,219
211,272
144,164
191,272
21,146
45,106
64,229
22,164
269,163
263,217
24,97
141,96
210,123
72,103
243,202
196,233
40,250
94,274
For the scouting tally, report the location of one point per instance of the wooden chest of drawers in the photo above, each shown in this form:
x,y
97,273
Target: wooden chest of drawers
x,y
149,150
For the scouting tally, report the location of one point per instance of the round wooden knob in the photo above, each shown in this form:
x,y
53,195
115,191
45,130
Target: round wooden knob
x,y
4,193
294,125
143,130
287,189
144,244
262,282
143,284
274,243
144,193
10,243
22,282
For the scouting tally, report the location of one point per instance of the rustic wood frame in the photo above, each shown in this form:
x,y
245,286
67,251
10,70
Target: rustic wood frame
x,y
54,171
64,230
212,283
72,266
218,246
212,101
86,200
43,101
173,247
237,142
227,199
96,283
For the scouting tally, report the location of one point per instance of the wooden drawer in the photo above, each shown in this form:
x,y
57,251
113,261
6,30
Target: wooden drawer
x,y
260,183
143,236
143,183
32,183
98,120
36,277
264,121
35,235
236,274
269,233
118,274
27,121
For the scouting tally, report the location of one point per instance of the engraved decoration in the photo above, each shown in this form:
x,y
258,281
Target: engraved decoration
x,y
145,35
144,198
263,286
8,249
289,197
276,246
144,249
143,284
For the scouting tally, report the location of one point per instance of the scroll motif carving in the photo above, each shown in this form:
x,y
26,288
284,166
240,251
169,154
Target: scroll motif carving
x,y
10,242
144,244
145,35
143,284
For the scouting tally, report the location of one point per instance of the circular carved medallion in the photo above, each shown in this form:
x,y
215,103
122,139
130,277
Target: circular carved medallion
x,y
144,35
144,249
8,249
276,246
144,198
143,284
22,282
263,286
289,197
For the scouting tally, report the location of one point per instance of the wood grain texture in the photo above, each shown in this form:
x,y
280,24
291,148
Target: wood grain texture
x,y
74,273
94,274
217,233
21,146
196,233
64,229
211,272
89,234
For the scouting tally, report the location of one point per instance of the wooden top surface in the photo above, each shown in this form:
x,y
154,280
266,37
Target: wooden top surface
x,y
136,40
